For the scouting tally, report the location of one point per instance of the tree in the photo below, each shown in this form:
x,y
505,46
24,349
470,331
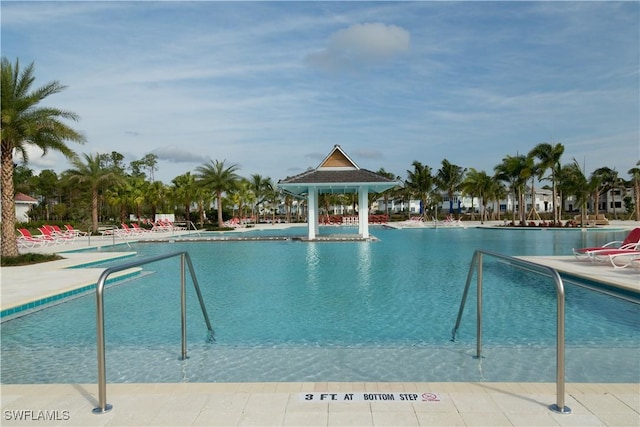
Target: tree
x,y
448,179
23,179
512,171
96,177
259,186
155,197
575,182
25,124
218,178
184,191
386,194
635,180
478,184
606,179
47,186
549,157
420,184
148,162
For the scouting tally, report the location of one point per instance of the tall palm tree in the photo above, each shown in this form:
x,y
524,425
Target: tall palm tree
x,y
576,183
448,179
607,179
386,194
549,157
512,171
246,196
203,200
92,173
420,184
218,178
531,170
635,180
478,183
25,124
259,186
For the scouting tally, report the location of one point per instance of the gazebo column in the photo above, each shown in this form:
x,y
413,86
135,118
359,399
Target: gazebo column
x,y
312,208
363,212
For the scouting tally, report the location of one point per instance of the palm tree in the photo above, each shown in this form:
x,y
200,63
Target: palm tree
x,y
260,186
203,200
155,197
478,184
635,180
218,178
184,191
246,197
25,124
607,180
448,179
512,171
420,183
549,157
92,173
576,183
386,194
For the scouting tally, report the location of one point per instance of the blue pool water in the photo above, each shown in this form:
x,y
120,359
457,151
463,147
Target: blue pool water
x,y
335,311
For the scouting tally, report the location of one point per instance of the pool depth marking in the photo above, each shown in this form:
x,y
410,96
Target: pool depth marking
x,y
369,397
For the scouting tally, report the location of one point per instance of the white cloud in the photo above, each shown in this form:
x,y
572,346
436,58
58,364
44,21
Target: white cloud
x,y
361,45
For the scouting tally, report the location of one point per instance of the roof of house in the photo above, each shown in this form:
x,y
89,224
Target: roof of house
x,y
23,198
337,173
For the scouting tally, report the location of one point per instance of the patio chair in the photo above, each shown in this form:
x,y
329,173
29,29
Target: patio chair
x,y
26,240
609,254
624,260
49,234
58,232
631,240
77,233
139,229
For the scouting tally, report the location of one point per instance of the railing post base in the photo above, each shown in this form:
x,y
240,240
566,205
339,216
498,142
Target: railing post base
x,y
99,410
564,410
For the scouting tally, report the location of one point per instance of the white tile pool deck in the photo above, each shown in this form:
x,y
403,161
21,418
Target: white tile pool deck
x,y
280,404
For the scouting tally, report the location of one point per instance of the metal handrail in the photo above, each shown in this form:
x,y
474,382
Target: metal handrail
x,y
103,406
559,406
191,224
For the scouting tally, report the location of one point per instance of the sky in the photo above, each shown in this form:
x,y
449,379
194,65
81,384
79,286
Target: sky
x,y
272,86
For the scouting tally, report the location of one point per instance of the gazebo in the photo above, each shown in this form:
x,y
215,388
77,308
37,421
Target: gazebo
x,y
336,174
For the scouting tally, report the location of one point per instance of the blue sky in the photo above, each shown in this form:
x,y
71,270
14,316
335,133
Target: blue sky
x,y
272,86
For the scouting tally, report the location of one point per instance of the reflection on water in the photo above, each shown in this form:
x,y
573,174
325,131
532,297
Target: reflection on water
x,y
312,264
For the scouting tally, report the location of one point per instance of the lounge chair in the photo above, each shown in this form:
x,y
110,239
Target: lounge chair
x,y
624,260
26,240
47,240
77,233
606,254
128,231
631,240
58,232
49,234
139,229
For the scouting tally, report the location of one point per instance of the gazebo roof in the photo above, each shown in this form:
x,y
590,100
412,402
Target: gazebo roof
x,y
337,173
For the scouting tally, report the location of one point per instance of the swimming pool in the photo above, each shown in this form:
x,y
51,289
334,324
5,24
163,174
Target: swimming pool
x,y
343,311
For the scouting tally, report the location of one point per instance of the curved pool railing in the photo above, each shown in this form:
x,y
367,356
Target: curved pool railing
x,y
103,406
476,262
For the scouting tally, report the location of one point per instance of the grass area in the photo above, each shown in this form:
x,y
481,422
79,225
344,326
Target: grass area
x,y
28,259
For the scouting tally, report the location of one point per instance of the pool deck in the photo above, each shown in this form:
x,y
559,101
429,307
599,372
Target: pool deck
x,y
283,404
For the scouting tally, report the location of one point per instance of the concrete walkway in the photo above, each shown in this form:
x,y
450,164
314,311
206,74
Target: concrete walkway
x,y
289,404
285,404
